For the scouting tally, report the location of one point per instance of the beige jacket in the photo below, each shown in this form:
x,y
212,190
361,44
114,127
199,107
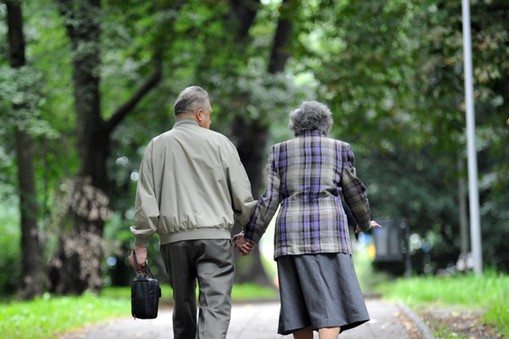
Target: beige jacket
x,y
191,186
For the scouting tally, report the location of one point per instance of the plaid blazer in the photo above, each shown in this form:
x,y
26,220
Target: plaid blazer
x,y
307,176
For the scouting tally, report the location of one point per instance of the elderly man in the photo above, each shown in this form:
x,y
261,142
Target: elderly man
x,y
192,185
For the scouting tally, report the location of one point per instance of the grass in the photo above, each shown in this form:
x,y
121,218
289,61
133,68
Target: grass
x,y
48,316
250,292
240,293
488,292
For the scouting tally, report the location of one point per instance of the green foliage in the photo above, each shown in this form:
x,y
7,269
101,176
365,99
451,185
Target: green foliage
x,y
7,170
390,70
368,278
10,263
19,101
21,108
362,58
246,292
499,316
489,292
268,98
489,36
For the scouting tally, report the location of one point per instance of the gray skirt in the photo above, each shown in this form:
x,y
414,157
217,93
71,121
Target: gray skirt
x,y
319,290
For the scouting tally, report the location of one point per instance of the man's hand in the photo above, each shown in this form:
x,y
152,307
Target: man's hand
x,y
245,246
141,256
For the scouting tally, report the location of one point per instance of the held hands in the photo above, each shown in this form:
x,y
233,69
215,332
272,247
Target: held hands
x,y
372,224
245,246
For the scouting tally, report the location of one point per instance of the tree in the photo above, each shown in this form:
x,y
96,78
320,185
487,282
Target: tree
x,y
252,145
249,97
76,263
442,83
390,70
393,72
32,269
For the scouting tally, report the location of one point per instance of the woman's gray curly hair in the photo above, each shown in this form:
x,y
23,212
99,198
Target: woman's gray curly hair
x,y
310,116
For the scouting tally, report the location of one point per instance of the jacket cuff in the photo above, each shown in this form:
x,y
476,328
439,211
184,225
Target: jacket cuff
x,y
141,241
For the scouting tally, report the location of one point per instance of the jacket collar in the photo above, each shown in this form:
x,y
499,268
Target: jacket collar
x,y
311,133
181,122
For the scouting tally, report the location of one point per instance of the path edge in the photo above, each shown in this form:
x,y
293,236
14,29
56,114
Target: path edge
x,y
424,330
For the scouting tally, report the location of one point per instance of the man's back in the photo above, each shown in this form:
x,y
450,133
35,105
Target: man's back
x,y
191,184
192,171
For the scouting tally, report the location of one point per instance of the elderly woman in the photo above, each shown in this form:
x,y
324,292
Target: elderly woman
x,y
307,176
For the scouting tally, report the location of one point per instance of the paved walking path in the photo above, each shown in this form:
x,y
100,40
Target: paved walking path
x,y
259,321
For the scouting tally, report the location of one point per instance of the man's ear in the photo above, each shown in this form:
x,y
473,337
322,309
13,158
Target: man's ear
x,y
198,114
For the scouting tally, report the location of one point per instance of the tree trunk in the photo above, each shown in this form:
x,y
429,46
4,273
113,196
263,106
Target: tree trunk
x,y
31,270
76,265
282,38
251,139
252,136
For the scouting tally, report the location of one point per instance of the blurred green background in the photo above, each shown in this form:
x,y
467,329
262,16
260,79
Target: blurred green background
x,y
84,85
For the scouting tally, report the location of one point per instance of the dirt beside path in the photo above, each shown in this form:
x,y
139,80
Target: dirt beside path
x,y
457,322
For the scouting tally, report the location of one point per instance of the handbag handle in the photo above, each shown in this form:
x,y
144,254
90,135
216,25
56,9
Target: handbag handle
x,y
145,271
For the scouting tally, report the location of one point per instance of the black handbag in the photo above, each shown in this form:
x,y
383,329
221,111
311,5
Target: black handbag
x,y
145,292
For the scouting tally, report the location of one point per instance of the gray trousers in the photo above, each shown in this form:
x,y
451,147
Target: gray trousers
x,y
210,263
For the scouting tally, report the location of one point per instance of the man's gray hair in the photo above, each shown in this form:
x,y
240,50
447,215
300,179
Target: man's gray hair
x,y
190,99
310,116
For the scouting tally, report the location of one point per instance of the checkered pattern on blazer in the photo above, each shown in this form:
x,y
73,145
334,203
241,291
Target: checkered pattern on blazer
x,y
306,177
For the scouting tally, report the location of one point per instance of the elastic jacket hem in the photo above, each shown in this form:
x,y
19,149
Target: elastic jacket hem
x,y
212,233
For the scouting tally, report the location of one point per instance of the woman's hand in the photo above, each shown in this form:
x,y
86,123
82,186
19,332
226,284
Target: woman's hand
x,y
372,224
245,246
